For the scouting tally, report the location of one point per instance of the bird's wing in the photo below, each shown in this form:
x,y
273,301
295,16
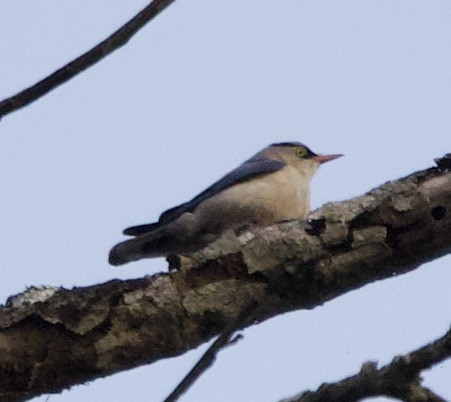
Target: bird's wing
x,y
253,167
140,229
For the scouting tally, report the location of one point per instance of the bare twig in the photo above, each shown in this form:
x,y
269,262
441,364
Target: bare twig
x,y
399,379
104,48
208,358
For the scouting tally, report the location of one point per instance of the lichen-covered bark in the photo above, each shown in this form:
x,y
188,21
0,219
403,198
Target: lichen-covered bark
x,y
52,338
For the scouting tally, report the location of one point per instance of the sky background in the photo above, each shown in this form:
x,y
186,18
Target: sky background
x,y
203,87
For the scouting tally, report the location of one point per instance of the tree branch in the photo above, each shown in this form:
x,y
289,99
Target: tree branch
x,y
70,70
53,338
209,357
399,379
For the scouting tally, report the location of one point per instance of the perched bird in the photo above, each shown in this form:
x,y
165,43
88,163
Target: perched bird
x,y
272,186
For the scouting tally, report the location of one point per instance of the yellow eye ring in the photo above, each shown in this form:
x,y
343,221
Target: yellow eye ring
x,y
301,152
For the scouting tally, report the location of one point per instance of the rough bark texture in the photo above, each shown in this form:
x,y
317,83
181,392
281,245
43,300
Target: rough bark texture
x,y
52,338
400,379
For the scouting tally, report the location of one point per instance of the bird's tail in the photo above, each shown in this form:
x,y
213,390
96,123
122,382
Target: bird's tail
x,y
156,243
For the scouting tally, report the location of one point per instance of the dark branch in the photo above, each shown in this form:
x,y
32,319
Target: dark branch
x,y
209,357
399,379
70,70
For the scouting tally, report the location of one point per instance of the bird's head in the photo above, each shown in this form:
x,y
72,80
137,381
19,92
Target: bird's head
x,y
298,156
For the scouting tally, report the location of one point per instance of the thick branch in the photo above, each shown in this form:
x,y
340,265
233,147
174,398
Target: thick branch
x,y
51,339
70,70
399,379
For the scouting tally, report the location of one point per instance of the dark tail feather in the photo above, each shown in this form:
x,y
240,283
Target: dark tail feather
x,y
149,245
140,229
120,253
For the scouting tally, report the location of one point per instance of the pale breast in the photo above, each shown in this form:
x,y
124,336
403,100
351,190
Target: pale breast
x,y
262,201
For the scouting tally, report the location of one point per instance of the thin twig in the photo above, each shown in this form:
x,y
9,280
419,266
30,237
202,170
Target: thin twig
x,y
208,358
399,379
104,48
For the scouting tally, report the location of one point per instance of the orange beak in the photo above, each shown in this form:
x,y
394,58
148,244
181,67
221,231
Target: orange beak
x,y
326,158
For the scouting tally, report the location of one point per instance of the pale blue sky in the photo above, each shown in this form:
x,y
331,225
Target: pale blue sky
x,y
200,89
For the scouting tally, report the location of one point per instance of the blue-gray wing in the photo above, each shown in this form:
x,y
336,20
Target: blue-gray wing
x,y
253,167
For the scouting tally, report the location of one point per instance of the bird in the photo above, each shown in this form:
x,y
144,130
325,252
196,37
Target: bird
x,y
272,186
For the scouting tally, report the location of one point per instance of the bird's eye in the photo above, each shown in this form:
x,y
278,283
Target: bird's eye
x,y
301,152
